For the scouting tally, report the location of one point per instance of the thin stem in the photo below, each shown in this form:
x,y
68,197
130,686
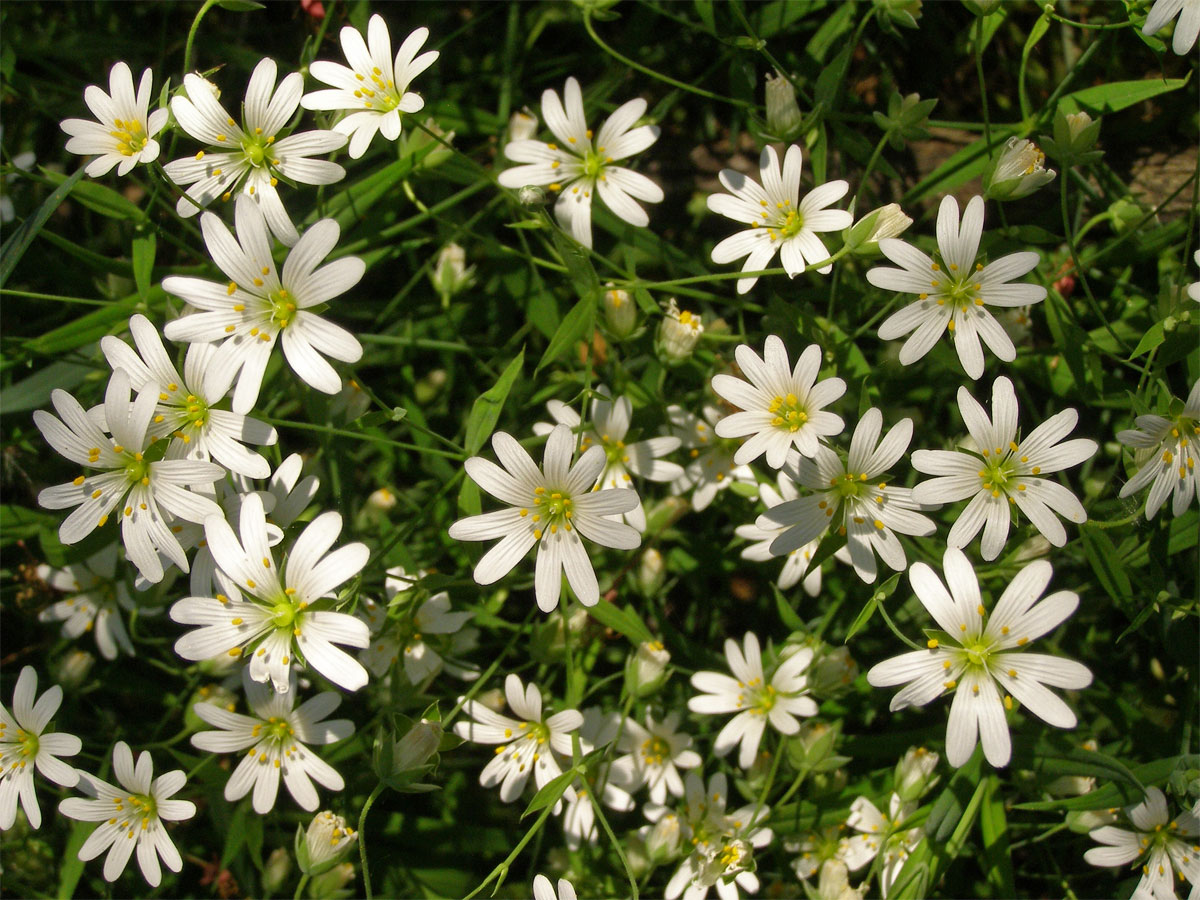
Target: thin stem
x,y
987,122
1069,231
191,38
370,438
362,838
502,868
300,887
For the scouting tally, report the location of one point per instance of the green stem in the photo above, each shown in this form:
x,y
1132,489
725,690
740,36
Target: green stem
x,y
191,38
633,886
370,438
1114,523
1069,231
300,887
516,851
987,122
362,838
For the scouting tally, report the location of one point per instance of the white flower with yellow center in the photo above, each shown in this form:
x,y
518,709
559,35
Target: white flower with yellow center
x,y
853,497
131,816
1168,450
756,701
287,612
654,756
526,746
577,165
781,407
1004,472
953,290
551,507
373,91
24,740
259,304
248,156
95,598
712,467
977,656
610,423
1164,847
125,134
132,476
276,736
779,220
328,838
878,832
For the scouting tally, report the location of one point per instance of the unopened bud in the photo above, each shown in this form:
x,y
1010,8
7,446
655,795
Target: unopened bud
x,y
645,670
417,746
863,236
1017,172
329,885
522,125
678,334
276,871
832,671
914,773
328,839
620,312
451,274
982,7
783,113
652,571
1075,136
532,196
662,841
381,499
899,12
72,670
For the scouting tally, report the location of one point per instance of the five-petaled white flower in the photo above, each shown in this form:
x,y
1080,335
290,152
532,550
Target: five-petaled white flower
x,y
609,427
249,154
975,653
125,133
373,90
131,816
712,468
24,740
275,735
1168,450
1166,847
551,507
953,290
879,832
1004,471
781,407
1186,29
149,489
755,700
577,165
279,615
763,536
779,220
526,745
258,304
185,411
94,602
853,497
654,756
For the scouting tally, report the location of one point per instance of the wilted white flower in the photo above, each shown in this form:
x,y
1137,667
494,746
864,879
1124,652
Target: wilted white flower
x,y
328,838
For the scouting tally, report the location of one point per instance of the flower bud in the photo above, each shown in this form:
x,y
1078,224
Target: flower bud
x,y
678,334
783,113
863,236
914,774
812,745
832,671
522,125
662,841
898,12
72,670
381,500
329,885
1017,172
652,571
417,746
1075,134
532,196
276,871
645,670
982,7
328,839
620,312
451,275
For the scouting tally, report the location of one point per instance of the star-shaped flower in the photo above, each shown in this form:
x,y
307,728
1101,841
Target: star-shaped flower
x,y
1165,847
125,134
25,745
1171,449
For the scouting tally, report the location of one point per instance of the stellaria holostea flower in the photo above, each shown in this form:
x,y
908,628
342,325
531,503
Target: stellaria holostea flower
x,y
95,598
1166,847
125,133
24,740
1186,29
1171,448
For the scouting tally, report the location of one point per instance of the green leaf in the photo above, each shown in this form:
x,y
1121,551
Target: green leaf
x,y
551,792
993,829
787,615
1115,793
18,242
239,5
884,591
576,324
1060,758
1107,565
624,621
71,868
1107,98
485,411
1152,338
143,263
89,328
34,392
100,198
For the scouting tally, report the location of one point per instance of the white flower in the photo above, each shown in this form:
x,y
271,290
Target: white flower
x,y
1167,450
1004,472
875,829
781,407
328,838
124,135
1186,29
954,291
526,745
131,816
148,490
974,653
249,154
551,507
22,162
654,756
779,220
406,636
755,700
94,602
544,890
1164,848
374,89
580,166
610,421
762,537
24,740
600,783
853,498
279,614
258,305
276,735
712,468
1018,171
522,124
185,411
1193,289
678,333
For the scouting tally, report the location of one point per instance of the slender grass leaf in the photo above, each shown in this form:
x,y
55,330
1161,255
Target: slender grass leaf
x,y
575,325
624,621
787,615
34,392
18,242
101,199
485,411
993,830
143,262
1109,98
1115,793
1107,565
71,869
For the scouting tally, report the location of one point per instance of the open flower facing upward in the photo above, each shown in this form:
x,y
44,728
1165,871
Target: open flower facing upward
x,y
764,535
1164,847
276,735
654,756
953,291
755,700
248,155
1186,29
1171,449
853,497
610,425
974,654
526,745
131,816
373,91
712,468
125,133
24,740
551,507
94,602
782,407
1004,472
578,165
145,492
779,220
286,613
258,304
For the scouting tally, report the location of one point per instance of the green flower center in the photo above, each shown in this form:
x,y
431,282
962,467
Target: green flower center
x,y
283,307
137,469
552,510
135,806
29,744
279,730
950,285
376,92
255,150
977,654
789,413
593,164
999,470
849,485
761,698
615,451
792,224
656,750
285,612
